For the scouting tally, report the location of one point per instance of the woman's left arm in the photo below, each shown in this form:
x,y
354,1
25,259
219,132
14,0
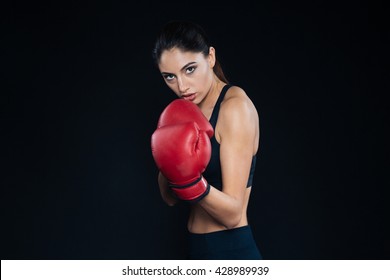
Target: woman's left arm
x,y
237,123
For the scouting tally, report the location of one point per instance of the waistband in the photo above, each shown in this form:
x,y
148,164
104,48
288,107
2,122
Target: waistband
x,y
229,238
236,243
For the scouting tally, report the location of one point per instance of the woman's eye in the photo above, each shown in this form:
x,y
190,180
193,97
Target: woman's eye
x,y
190,69
169,77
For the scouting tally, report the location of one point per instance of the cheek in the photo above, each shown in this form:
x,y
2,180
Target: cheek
x,y
206,79
204,74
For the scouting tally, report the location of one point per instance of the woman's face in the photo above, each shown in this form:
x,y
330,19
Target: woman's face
x,y
189,74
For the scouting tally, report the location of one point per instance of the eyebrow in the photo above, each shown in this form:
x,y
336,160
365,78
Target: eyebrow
x,y
184,67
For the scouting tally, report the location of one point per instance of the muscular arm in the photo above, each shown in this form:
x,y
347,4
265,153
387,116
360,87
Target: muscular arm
x,y
237,128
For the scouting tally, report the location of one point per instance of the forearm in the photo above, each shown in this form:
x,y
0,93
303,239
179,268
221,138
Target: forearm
x,y
224,208
165,191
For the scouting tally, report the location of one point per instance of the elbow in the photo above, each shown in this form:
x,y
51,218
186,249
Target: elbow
x,y
232,217
233,222
170,201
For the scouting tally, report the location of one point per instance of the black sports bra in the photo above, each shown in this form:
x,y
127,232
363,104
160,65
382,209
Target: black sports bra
x,y
213,171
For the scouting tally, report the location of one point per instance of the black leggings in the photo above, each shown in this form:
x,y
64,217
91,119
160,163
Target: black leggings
x,y
232,244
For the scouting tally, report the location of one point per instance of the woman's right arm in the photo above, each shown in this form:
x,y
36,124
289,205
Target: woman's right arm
x,y
165,191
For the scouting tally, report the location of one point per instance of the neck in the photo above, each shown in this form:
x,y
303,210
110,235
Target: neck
x,y
211,98
208,103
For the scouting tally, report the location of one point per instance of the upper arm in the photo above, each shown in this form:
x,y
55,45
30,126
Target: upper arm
x,y
237,131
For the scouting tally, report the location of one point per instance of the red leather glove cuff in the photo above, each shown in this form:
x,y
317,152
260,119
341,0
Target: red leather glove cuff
x,y
192,192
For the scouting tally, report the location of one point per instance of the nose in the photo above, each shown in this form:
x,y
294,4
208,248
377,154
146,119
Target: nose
x,y
183,87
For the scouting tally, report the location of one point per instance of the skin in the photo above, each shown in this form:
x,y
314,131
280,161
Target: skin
x,y
190,75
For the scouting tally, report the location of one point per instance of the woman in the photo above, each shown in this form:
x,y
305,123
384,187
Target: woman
x,y
218,224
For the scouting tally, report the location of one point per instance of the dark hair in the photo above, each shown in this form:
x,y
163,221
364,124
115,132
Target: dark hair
x,y
187,36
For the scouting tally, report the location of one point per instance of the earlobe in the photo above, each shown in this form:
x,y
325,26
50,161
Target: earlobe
x,y
211,57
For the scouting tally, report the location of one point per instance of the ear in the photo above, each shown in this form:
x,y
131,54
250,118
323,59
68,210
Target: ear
x,y
211,57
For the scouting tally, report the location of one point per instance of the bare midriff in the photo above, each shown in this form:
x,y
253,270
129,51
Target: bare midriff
x,y
201,222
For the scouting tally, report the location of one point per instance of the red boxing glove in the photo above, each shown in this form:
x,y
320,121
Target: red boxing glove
x,y
181,149
181,111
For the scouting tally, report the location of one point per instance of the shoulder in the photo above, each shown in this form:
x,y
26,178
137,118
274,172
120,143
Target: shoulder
x,y
237,104
237,114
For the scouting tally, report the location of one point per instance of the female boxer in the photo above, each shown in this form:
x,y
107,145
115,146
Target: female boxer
x,y
219,193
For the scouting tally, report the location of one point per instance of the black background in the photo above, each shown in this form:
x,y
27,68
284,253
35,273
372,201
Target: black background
x,y
81,96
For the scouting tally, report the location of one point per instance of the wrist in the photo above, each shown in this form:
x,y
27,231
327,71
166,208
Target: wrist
x,y
192,192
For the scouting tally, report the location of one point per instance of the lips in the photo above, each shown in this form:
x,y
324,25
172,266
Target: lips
x,y
189,97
